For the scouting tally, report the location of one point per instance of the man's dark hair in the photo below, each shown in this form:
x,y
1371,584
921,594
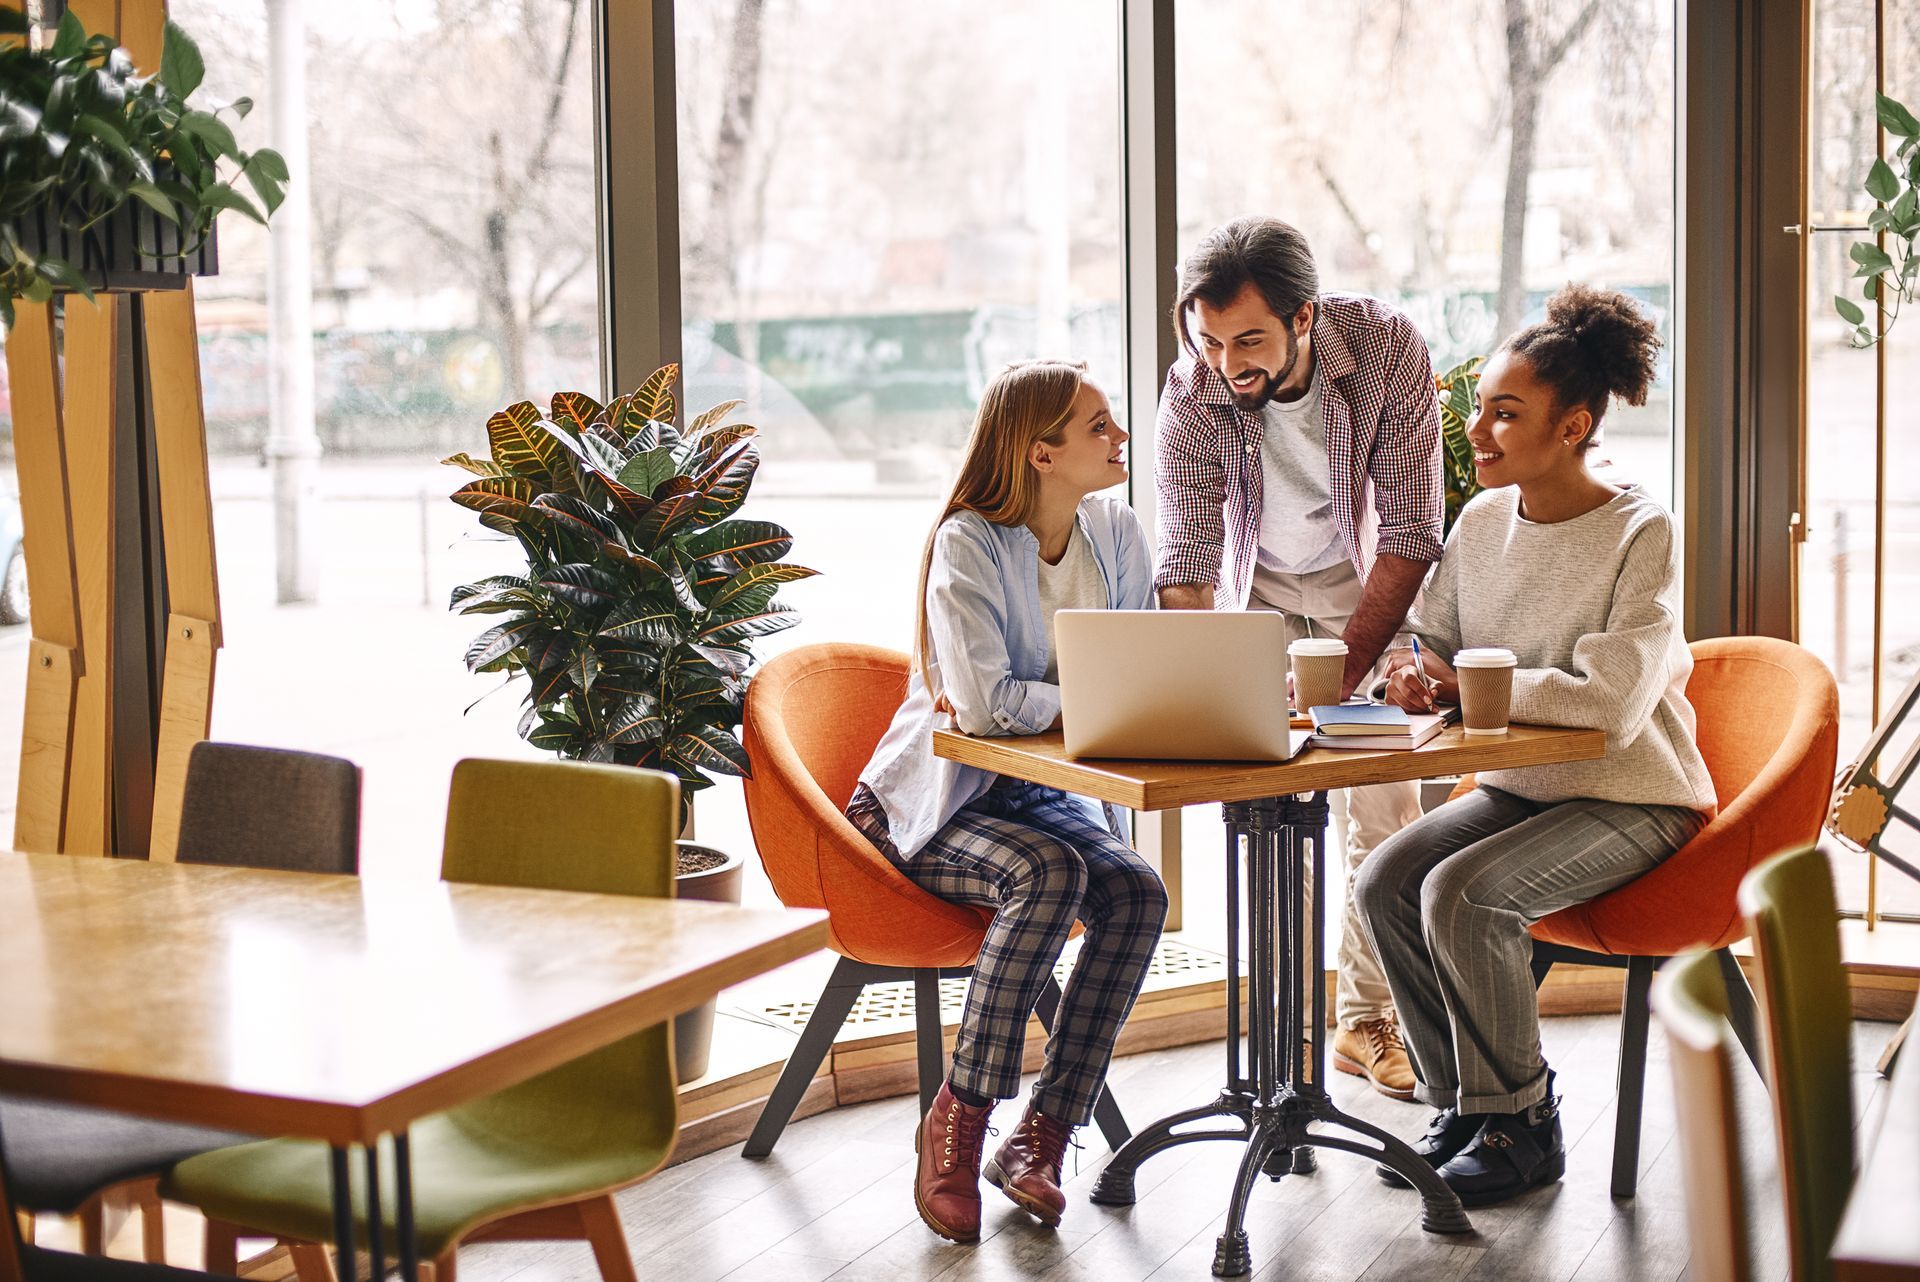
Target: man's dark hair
x,y
1266,253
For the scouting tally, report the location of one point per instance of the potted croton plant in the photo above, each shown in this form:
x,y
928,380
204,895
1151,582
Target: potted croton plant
x,y
109,179
633,624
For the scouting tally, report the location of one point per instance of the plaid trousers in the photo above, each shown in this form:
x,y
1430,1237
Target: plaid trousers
x,y
1039,859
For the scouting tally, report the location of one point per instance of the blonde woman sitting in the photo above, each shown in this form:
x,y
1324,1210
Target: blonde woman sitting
x,y
1024,533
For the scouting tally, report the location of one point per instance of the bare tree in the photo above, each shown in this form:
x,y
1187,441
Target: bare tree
x,y
487,196
1541,38
711,253
1535,50
511,196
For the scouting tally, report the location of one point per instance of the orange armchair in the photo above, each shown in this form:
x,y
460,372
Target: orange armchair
x,y
1769,727
812,719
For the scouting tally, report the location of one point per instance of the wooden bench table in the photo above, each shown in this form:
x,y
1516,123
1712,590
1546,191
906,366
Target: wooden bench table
x,y
337,1008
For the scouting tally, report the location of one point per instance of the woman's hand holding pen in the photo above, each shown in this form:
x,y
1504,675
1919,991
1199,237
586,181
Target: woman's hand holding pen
x,y
1406,688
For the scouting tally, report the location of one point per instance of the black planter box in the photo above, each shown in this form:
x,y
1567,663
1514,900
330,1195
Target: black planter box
x,y
108,254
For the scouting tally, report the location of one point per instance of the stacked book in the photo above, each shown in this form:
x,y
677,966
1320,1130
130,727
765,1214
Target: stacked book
x,y
1375,726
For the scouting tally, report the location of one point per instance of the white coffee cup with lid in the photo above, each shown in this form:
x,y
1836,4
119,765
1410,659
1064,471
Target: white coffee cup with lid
x,y
1485,676
1319,669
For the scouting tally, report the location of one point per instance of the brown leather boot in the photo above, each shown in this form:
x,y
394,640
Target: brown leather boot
x,y
1027,1167
946,1187
1374,1051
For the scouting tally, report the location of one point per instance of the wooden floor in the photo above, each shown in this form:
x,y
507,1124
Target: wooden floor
x,y
835,1198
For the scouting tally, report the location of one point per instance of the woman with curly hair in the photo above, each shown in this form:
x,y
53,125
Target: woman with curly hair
x,y
1580,579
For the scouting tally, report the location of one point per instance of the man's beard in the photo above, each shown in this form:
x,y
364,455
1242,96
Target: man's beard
x,y
1253,402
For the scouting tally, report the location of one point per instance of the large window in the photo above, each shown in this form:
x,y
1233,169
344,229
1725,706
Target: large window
x,y
881,206
1857,593
1441,157
452,271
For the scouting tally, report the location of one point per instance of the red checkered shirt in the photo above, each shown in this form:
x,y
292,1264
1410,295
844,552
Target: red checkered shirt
x,y
1383,438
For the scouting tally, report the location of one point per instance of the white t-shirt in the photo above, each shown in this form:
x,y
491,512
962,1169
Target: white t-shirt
x,y
1297,532
1074,584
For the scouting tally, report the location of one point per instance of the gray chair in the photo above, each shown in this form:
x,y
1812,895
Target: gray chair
x,y
37,1264
251,807
244,807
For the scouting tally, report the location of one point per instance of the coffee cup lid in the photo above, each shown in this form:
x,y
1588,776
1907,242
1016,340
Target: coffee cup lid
x,y
1488,656
1318,646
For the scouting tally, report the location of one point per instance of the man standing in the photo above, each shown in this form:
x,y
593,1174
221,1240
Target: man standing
x,y
1299,471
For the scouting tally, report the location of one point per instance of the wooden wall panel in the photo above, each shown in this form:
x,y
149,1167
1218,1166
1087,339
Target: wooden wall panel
x,y
71,504
138,24
186,705
33,372
53,659
193,581
91,416
180,441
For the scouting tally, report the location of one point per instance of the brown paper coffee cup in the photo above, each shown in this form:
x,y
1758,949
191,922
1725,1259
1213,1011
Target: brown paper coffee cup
x,y
1319,668
1485,674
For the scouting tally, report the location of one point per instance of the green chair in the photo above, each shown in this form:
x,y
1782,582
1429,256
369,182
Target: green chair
x,y
1690,999
1788,904
540,1160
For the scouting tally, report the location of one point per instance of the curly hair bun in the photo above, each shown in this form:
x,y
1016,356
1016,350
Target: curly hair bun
x,y
1616,340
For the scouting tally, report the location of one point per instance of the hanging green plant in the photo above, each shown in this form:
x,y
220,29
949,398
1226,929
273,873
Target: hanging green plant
x,y
1888,279
1456,390
84,139
635,621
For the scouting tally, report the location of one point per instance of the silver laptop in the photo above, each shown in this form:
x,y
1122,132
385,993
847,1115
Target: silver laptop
x,y
1197,685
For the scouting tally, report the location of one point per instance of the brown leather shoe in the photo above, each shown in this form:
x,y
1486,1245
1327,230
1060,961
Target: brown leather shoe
x,y
1374,1051
946,1187
1027,1167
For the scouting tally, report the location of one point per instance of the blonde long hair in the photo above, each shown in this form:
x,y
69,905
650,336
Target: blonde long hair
x,y
1028,402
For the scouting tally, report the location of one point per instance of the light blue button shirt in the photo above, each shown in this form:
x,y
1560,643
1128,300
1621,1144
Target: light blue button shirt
x,y
990,645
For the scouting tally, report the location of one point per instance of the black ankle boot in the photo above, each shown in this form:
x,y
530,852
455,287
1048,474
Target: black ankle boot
x,y
1512,1153
1448,1134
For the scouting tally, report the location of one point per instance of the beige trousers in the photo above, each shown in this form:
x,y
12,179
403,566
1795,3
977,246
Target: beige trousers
x,y
1321,603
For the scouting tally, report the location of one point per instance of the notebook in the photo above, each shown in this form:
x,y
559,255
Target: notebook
x,y
1361,718
1400,731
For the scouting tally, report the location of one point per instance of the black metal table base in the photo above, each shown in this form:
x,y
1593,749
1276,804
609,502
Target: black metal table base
x,y
1275,1096
406,1245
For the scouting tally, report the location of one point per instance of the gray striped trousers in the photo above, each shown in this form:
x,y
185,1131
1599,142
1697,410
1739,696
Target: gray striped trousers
x,y
1447,903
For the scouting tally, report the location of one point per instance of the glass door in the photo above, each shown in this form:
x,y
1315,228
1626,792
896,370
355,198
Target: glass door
x,y
1859,574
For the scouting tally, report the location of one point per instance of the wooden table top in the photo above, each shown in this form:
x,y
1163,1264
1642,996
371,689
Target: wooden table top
x,y
1164,785
336,1007
1879,1238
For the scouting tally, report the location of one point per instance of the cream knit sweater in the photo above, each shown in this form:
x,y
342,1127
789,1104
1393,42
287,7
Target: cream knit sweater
x,y
1590,607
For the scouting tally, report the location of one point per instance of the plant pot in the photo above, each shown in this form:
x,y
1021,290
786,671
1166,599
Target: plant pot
x,y
108,254
693,1030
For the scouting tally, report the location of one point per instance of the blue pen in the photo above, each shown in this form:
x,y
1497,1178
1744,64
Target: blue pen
x,y
1420,666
